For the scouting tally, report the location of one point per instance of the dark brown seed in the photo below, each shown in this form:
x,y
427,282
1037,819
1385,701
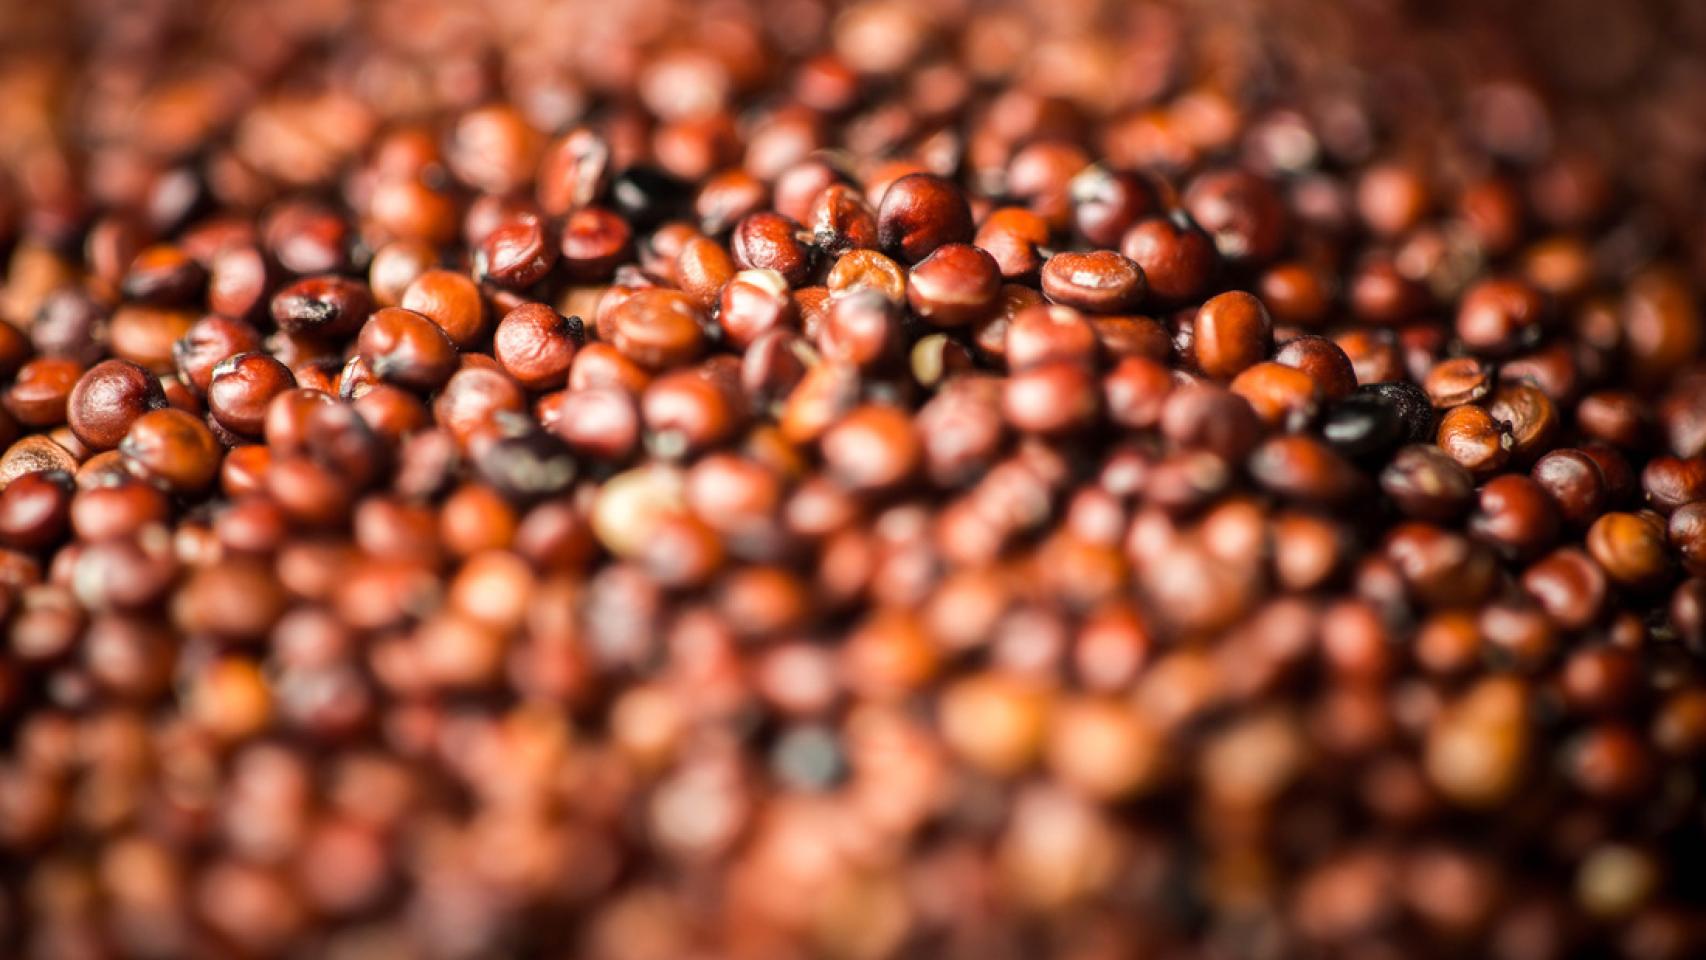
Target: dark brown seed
x,y
594,242
1232,331
872,448
516,254
326,307
33,454
395,266
536,345
1670,482
770,241
1575,483
406,348
1499,317
840,220
1296,293
601,423
1323,361
753,302
1530,417
1014,237
1242,212
69,323
1630,548
107,400
241,389
1100,281
863,328
35,510
688,411
1177,258
953,286
39,396
450,300
919,213
1052,398
208,342
1206,417
1569,586
1282,396
171,448
1470,435
164,275
1303,468
1427,483
1516,514
1107,202
1455,382
1687,533
658,329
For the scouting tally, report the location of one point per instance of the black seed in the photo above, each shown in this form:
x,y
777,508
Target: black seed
x,y
1362,426
647,196
528,468
1410,402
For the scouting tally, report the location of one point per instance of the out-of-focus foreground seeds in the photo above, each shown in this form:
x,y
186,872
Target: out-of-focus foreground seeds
x,y
778,479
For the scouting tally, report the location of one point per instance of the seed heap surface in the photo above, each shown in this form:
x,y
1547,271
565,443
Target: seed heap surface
x,y
762,479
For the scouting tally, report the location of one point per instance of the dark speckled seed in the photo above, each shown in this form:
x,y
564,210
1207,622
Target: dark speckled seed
x,y
1363,426
646,196
1410,402
528,468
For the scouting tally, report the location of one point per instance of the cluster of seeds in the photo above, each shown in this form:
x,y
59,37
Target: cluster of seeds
x,y
771,479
